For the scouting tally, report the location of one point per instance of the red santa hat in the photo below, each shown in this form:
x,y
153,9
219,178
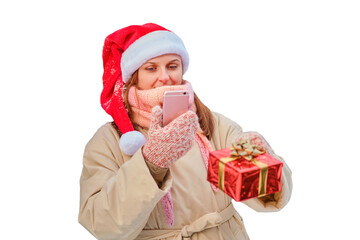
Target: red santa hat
x,y
124,52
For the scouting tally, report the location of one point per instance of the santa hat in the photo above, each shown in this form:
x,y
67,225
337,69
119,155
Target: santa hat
x,y
124,52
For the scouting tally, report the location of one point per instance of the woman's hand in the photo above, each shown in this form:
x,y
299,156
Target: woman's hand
x,y
167,144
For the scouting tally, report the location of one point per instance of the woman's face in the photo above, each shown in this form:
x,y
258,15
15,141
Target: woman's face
x,y
159,71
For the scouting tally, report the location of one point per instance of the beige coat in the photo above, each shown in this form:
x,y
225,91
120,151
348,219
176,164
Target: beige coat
x,y
120,198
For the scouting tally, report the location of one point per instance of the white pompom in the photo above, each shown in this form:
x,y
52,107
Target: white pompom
x,y
130,142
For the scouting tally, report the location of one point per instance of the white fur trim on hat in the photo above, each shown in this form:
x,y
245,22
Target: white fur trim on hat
x,y
130,142
149,46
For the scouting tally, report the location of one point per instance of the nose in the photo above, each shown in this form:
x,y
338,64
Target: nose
x,y
164,76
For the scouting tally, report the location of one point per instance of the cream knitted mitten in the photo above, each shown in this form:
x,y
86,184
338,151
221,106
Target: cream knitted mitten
x,y
165,145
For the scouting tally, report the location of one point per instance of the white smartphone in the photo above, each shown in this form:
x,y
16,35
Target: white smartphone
x,y
175,103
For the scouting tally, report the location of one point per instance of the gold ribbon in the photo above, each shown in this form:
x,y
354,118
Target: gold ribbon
x,y
249,152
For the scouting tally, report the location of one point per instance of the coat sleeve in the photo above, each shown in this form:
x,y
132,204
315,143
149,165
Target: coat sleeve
x,y
116,196
227,132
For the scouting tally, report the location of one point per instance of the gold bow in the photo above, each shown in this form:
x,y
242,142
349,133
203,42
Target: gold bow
x,y
248,151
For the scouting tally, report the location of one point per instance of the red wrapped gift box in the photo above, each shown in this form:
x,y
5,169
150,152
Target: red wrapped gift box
x,y
242,179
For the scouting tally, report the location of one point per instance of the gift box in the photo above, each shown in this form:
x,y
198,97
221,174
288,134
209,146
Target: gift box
x,y
246,173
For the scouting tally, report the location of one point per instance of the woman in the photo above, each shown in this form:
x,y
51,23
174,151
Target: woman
x,y
141,180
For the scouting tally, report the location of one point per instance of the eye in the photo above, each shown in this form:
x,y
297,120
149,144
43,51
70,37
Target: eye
x,y
150,68
173,66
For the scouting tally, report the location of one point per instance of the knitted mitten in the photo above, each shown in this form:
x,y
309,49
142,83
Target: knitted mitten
x,y
165,145
257,139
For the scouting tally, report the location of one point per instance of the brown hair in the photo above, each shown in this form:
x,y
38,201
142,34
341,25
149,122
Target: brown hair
x,y
206,119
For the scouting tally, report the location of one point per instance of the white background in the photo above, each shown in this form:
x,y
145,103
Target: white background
x,y
287,69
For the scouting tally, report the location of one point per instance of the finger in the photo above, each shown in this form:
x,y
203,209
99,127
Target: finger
x,y
156,117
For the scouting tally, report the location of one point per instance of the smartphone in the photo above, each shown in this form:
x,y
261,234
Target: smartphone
x,y
175,103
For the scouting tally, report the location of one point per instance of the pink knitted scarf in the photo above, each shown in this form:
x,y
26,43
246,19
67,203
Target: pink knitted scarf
x,y
142,102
